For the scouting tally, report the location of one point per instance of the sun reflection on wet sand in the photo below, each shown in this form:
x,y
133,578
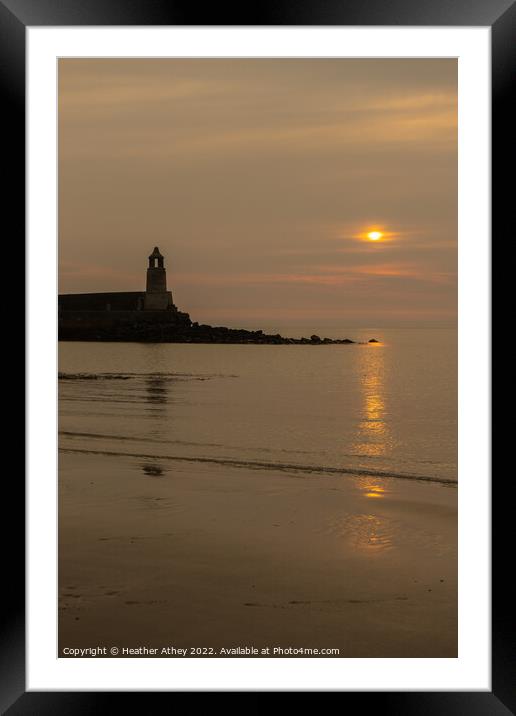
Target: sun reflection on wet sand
x,y
367,533
372,487
375,492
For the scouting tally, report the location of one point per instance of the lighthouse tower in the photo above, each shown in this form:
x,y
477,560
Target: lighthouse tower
x,y
157,298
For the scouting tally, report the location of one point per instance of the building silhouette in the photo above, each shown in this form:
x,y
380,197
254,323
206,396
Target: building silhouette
x,y
157,298
151,316
116,312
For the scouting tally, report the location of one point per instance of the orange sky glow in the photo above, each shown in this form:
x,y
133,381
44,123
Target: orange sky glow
x,y
281,192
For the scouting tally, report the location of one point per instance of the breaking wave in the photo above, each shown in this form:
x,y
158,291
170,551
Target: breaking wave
x,y
262,465
136,376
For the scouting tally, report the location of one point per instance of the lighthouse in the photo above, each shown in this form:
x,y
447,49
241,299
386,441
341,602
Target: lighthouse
x,y
157,298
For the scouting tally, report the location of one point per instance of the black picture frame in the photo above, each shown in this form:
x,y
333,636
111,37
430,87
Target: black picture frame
x,y
15,17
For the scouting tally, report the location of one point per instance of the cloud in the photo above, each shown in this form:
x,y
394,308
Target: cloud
x,y
255,178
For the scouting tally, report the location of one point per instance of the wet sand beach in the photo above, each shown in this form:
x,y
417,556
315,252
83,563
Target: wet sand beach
x,y
164,553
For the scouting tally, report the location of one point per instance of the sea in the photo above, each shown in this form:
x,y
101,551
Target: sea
x,y
386,409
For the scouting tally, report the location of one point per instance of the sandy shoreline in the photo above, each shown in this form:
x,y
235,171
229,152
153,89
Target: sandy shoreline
x,y
186,556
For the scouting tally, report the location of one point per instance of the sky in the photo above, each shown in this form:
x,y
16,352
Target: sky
x,y
260,180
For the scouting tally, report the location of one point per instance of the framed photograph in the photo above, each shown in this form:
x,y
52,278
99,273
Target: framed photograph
x,y
258,365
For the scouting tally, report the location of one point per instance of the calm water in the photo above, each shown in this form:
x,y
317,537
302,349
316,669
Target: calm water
x,y
380,409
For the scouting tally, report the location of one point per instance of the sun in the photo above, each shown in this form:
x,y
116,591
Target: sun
x,y
376,233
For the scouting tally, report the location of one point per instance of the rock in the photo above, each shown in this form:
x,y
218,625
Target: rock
x,y
373,340
167,328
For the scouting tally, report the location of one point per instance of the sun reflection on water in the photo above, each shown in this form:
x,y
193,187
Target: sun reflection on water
x,y
373,435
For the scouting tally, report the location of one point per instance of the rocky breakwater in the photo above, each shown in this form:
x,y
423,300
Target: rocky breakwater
x,y
181,332
201,333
